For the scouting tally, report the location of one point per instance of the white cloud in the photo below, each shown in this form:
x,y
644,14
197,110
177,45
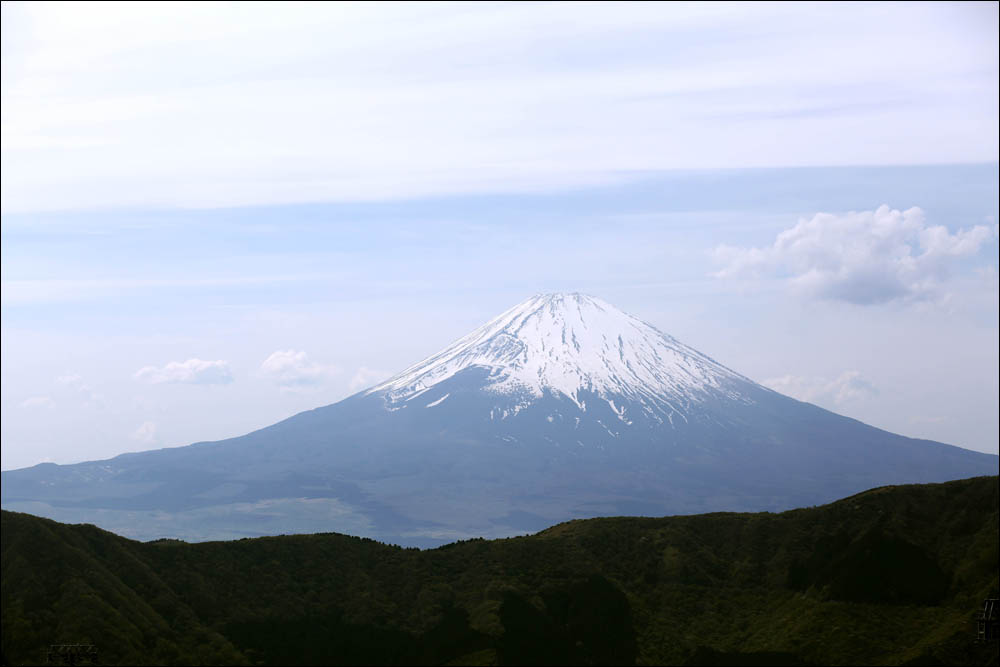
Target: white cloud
x,y
192,371
865,257
366,377
849,386
146,433
293,371
37,402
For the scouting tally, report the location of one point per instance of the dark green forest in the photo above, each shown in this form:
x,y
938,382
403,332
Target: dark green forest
x,y
890,576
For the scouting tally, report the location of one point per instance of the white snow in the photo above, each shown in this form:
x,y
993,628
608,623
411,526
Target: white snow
x,y
565,343
438,402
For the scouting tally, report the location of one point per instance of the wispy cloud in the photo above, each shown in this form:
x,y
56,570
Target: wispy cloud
x,y
847,387
146,433
37,402
106,105
292,370
366,377
20,292
192,371
76,385
867,257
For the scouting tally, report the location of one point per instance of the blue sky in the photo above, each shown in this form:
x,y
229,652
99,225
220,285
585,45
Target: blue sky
x,y
215,216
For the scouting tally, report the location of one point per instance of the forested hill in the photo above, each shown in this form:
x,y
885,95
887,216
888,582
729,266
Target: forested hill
x,y
889,576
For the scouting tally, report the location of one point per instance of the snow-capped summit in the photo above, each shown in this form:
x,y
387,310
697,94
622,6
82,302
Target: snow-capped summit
x,y
569,343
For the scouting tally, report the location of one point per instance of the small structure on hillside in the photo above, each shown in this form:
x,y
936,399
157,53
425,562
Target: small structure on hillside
x,y
986,627
72,654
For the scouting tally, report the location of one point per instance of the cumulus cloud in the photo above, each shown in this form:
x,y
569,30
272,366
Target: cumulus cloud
x,y
293,371
847,387
366,377
192,371
866,257
146,433
37,402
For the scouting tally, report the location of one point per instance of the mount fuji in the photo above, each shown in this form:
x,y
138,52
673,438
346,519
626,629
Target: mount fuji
x,y
562,407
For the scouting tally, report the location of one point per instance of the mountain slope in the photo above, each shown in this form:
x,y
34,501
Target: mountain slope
x,y
561,407
889,576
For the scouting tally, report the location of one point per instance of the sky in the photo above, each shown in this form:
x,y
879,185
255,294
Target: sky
x,y
217,215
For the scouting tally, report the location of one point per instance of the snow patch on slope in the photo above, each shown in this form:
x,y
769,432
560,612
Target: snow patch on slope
x,y
438,402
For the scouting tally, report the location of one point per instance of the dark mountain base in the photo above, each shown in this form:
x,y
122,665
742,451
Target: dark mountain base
x,y
890,576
